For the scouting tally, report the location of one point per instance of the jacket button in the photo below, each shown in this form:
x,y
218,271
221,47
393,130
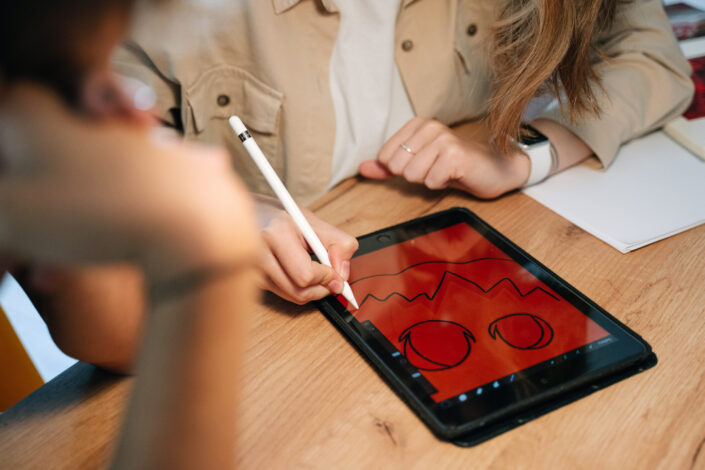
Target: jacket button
x,y
407,45
223,100
472,29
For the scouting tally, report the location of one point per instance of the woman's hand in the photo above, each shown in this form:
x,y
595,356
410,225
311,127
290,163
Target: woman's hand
x,y
438,158
286,266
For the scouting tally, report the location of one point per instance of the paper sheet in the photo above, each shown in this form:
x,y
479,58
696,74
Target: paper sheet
x,y
654,189
31,330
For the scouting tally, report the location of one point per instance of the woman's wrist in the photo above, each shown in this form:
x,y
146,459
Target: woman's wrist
x,y
520,169
568,147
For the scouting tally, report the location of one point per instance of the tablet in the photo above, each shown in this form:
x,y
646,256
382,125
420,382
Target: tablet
x,y
472,332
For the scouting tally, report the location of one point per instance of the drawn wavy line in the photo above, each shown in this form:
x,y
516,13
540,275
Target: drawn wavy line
x,y
438,288
430,262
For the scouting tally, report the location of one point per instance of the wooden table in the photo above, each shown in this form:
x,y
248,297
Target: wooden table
x,y
310,401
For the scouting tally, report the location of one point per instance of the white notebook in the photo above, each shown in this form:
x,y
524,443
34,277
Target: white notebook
x,y
653,189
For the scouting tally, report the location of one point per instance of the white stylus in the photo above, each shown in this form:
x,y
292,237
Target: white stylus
x,y
289,204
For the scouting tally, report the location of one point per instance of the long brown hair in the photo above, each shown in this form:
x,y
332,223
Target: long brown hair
x,y
545,46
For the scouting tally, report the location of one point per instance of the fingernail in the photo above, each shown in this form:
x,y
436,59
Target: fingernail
x,y
345,270
335,286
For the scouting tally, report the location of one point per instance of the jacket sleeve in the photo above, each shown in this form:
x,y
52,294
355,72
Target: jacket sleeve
x,y
645,81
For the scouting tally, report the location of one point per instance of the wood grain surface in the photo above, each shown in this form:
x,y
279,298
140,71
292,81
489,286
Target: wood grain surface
x,y
309,400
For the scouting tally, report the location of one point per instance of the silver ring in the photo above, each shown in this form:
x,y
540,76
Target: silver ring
x,y
407,149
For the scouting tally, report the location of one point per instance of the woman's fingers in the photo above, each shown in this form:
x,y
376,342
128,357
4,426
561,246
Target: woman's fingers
x,y
341,248
409,152
299,297
275,279
388,150
290,271
373,169
286,245
418,168
406,152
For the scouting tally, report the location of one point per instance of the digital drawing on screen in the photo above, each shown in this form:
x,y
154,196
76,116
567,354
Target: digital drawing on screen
x,y
442,280
421,348
462,311
522,331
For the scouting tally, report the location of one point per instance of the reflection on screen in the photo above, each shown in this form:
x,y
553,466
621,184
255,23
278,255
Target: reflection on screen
x,y
463,312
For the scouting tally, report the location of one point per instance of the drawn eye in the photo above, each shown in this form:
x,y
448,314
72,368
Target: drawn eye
x,y
522,331
435,345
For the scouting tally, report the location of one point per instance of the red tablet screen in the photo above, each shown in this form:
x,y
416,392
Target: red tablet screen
x,y
462,311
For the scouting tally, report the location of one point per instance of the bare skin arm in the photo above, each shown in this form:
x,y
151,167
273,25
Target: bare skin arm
x,y
184,407
94,314
85,194
570,148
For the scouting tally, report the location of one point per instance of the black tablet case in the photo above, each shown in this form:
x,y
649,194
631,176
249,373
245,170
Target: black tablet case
x,y
496,428
488,432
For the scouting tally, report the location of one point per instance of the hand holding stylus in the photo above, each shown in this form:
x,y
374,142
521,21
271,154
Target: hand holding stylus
x,y
286,267
287,201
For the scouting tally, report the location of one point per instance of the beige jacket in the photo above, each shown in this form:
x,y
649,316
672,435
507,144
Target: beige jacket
x,y
268,60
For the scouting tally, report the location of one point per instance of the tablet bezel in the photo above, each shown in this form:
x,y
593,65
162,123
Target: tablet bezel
x,y
538,384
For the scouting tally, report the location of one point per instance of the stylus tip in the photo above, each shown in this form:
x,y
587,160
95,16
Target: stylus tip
x,y
348,294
